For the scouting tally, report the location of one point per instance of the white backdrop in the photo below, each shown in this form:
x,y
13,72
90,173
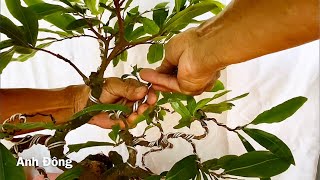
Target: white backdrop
x,y
270,80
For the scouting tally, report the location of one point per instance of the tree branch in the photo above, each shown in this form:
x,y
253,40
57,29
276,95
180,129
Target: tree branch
x,y
120,20
84,77
223,125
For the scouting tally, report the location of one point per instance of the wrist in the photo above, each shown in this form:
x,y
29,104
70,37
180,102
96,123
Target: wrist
x,y
212,48
81,96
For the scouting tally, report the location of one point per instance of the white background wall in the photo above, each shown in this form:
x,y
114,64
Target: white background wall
x,y
270,80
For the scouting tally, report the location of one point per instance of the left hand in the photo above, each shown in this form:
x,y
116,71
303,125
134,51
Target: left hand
x,y
124,92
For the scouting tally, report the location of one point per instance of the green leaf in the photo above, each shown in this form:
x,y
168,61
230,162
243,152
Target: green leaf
x,y
67,2
6,43
45,9
78,147
246,143
8,166
162,5
12,31
171,97
60,20
93,6
238,97
59,33
160,13
127,31
4,135
82,23
188,14
109,30
133,12
127,4
181,109
175,96
155,53
272,143
124,56
216,164
217,108
116,61
217,86
217,9
5,58
115,132
101,107
32,2
184,122
281,111
179,4
205,101
23,50
184,169
211,164
216,96
57,19
25,57
191,104
27,17
73,173
30,126
262,164
135,34
150,26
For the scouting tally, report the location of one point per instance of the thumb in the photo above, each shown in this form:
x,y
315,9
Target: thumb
x,y
116,88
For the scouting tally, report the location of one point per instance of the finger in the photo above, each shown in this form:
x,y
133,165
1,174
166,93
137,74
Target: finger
x,y
152,97
161,88
142,108
104,121
132,117
115,88
164,80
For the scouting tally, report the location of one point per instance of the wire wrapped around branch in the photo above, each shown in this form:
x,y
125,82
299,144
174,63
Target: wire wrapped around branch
x,y
21,144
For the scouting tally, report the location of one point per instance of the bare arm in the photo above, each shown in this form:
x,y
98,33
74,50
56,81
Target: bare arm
x,y
248,29
63,103
60,103
245,29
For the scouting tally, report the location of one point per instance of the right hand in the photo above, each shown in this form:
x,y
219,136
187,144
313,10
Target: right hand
x,y
196,65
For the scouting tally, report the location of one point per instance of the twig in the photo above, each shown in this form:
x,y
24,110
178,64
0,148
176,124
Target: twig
x,y
120,20
68,37
40,114
84,77
223,125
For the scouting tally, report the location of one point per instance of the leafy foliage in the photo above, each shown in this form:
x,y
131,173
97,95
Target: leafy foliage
x,y
280,112
184,169
8,166
261,164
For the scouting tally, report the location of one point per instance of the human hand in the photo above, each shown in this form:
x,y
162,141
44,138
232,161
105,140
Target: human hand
x,y
124,92
196,65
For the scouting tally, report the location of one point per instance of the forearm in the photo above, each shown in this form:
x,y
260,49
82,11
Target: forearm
x,y
60,103
248,29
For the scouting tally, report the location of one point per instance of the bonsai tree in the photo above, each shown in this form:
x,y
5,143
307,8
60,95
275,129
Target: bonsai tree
x,y
126,27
